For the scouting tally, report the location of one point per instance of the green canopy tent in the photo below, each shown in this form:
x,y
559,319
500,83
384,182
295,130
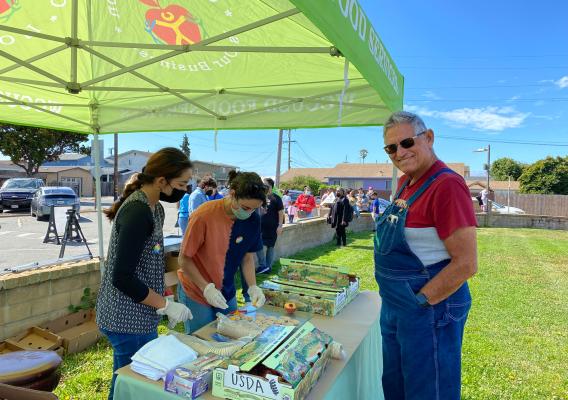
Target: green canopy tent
x,y
106,66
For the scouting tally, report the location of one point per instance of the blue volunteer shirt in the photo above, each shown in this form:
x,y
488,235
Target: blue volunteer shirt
x,y
245,238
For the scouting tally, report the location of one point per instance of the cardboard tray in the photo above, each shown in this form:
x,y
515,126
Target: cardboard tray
x,y
211,328
7,347
314,298
36,338
78,330
234,383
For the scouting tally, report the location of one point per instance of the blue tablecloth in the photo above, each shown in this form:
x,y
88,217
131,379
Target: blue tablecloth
x,y
356,377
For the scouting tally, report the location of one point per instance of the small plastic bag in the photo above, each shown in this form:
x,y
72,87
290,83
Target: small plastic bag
x,y
236,329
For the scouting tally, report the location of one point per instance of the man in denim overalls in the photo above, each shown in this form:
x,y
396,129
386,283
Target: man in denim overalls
x,y
425,250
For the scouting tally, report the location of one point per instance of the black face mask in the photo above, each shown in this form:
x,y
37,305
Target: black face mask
x,y
176,196
209,192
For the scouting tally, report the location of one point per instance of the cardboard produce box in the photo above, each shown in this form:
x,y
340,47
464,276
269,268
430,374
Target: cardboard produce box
x,y
314,298
78,330
172,261
312,273
294,363
6,347
36,338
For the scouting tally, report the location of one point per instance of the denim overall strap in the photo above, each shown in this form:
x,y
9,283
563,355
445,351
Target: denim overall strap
x,y
426,185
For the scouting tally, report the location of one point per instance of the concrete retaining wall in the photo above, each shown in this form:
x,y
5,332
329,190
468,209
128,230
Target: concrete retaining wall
x,y
522,221
35,297
314,232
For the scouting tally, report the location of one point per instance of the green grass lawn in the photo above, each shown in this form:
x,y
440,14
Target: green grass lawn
x,y
516,340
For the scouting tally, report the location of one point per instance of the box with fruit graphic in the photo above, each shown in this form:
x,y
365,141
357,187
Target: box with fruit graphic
x,y
283,365
312,273
305,286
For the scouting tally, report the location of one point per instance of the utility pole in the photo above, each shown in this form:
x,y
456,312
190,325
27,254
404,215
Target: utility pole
x,y
115,153
289,141
278,158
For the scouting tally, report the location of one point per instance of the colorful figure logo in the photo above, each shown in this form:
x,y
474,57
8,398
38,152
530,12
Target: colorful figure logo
x,y
8,8
172,24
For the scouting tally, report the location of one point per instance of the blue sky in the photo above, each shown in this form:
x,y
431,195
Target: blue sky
x,y
478,72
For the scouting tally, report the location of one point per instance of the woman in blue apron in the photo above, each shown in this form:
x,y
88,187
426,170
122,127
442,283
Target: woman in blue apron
x,y
422,267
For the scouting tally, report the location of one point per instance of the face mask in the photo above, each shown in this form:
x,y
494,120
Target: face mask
x,y
176,196
308,193
240,213
209,192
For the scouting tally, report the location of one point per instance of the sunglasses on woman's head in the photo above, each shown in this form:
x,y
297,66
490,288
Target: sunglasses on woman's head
x,y
405,144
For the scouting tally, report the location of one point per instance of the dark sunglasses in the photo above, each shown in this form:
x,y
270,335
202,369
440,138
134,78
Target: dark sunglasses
x,y
405,144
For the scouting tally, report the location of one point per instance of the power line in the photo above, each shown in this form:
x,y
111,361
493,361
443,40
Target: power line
x,y
478,86
551,99
437,68
555,144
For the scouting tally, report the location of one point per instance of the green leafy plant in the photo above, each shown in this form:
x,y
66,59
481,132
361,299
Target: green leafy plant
x,y
88,301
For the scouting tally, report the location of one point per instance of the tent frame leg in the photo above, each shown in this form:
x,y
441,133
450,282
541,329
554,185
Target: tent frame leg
x,y
98,204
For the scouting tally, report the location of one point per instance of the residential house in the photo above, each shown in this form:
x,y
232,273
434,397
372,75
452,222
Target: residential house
x,y
79,178
10,170
351,175
219,172
133,160
499,187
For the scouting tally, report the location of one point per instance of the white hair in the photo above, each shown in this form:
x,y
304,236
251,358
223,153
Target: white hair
x,y
405,117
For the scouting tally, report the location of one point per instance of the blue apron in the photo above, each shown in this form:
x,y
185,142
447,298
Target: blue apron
x,y
421,345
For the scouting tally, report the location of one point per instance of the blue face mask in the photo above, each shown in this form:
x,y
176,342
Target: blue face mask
x,y
240,213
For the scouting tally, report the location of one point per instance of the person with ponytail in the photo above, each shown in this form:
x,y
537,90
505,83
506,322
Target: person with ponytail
x,y
130,302
222,235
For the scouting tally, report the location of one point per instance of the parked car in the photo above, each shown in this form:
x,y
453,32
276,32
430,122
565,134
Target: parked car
x,y
46,197
17,193
497,208
503,209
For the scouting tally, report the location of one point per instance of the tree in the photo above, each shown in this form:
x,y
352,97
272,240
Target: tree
x,y
548,176
504,167
29,147
185,145
299,182
363,153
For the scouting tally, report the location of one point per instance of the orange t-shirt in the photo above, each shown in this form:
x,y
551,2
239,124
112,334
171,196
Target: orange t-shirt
x,y
206,242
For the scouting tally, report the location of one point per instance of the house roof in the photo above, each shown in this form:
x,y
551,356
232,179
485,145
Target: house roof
x,y
214,164
48,169
7,165
495,185
318,173
144,153
356,171
72,156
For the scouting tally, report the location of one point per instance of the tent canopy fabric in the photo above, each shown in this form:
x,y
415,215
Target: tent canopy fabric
x,y
106,66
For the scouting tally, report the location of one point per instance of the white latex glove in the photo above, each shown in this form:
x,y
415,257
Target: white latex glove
x,y
214,297
256,296
176,313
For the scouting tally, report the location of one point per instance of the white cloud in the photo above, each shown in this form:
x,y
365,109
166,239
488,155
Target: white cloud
x,y
562,82
482,119
431,95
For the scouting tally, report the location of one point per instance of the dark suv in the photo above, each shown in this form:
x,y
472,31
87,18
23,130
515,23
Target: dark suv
x,y
17,193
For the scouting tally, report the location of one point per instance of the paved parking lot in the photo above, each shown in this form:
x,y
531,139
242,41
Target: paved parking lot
x,y
21,236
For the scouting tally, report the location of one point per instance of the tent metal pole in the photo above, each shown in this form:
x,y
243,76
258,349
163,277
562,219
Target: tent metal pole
x,y
278,158
394,182
98,204
35,58
74,48
32,67
32,33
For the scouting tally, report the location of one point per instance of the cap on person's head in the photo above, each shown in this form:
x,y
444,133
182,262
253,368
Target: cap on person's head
x,y
370,188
